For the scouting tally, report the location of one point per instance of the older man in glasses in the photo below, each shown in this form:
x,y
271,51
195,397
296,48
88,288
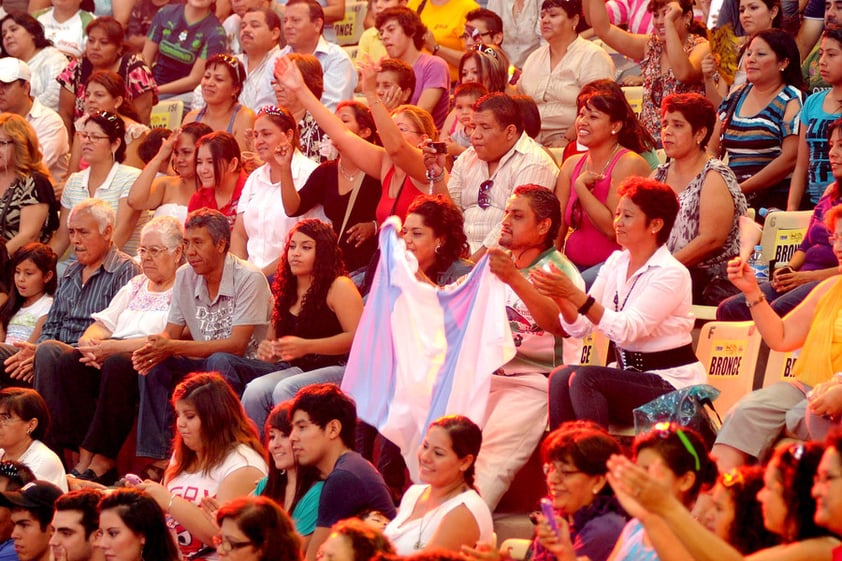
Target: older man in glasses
x,y
501,156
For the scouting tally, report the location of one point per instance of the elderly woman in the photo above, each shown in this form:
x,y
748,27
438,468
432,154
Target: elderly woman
x,y
706,232
760,418
554,74
100,391
27,202
670,57
641,301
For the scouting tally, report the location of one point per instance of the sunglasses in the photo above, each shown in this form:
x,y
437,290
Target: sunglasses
x,y
483,198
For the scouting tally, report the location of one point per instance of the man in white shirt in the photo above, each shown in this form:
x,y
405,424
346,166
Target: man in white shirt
x,y
260,32
501,156
15,98
303,23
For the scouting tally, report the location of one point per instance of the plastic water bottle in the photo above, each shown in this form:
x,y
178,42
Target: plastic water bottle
x,y
760,268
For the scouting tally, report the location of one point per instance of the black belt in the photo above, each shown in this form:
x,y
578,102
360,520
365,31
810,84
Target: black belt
x,y
659,360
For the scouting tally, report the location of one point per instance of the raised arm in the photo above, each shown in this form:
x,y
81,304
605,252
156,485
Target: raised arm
x,y
686,68
147,192
362,153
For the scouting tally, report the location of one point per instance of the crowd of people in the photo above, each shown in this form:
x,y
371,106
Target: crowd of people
x,y
394,254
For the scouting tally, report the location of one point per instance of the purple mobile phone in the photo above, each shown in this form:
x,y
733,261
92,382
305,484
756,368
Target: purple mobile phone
x,y
549,514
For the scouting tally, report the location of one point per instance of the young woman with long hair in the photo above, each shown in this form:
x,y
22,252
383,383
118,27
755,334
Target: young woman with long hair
x,y
216,453
133,528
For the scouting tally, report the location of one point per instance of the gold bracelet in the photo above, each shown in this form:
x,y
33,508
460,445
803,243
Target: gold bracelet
x,y
761,298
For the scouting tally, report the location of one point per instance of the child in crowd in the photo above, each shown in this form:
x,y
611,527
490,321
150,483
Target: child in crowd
x,y
457,129
25,312
65,23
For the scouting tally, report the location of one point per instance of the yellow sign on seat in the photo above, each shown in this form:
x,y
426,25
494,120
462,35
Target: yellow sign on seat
x,y
167,115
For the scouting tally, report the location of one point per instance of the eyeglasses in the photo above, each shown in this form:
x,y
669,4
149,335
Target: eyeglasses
x,y
225,545
405,130
664,430
6,419
553,467
152,252
88,137
483,198
6,142
473,33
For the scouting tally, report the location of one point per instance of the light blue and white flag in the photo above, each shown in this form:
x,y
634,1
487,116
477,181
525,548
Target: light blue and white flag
x,y
421,352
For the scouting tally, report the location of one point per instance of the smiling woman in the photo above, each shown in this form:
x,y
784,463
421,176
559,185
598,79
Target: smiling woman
x,y
446,512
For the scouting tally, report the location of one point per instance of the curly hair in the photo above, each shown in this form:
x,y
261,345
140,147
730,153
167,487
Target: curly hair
x,y
224,424
27,153
266,525
607,97
280,419
328,265
409,21
142,515
746,532
447,223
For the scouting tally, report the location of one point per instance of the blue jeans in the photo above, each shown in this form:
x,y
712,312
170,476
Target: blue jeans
x,y
735,309
263,393
155,415
601,394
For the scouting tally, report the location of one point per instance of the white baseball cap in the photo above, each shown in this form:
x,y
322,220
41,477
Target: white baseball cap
x,y
12,69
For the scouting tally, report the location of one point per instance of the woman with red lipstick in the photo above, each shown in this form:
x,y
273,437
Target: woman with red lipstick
x,y
706,232
445,512
758,122
587,183
670,58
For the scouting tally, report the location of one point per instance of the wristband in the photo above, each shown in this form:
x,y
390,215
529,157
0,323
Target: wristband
x,y
586,307
761,298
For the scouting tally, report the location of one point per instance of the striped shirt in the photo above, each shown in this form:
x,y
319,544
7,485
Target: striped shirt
x,y
525,162
753,141
74,302
635,13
